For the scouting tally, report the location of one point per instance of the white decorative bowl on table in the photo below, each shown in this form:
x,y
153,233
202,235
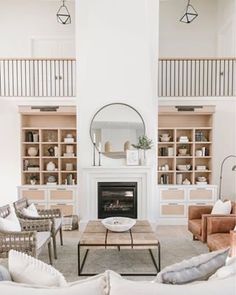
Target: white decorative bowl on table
x,y
118,224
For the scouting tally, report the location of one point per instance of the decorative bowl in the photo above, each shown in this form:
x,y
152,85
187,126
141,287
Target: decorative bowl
x,y
184,167
118,224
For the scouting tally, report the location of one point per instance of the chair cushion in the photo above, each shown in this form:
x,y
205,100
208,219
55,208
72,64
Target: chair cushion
x,y
218,241
10,223
58,223
29,270
30,211
221,207
195,226
42,237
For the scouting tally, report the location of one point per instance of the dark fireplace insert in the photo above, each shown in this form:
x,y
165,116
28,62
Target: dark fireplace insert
x,y
117,199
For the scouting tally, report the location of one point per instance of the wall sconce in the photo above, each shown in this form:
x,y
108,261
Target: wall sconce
x,y
221,172
190,14
63,15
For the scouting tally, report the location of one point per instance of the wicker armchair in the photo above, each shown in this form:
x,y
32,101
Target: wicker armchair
x,y
52,214
35,235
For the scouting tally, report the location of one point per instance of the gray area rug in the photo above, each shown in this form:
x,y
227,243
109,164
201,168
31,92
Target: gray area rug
x,y
176,245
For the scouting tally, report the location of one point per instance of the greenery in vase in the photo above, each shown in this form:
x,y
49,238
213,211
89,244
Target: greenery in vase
x,y
144,143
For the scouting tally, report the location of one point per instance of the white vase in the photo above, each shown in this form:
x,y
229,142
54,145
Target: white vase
x,y
51,166
32,151
142,157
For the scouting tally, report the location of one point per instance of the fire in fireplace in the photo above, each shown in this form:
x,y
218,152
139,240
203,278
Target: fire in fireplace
x,y
117,199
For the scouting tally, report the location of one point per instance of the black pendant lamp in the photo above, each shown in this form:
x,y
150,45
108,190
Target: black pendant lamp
x,y
63,15
190,14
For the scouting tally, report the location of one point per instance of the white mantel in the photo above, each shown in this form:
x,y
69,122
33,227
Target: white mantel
x,y
93,175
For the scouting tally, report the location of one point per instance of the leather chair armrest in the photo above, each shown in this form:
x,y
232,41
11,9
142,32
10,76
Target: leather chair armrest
x,y
233,242
220,223
196,212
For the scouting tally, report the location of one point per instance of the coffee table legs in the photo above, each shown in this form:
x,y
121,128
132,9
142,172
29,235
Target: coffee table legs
x,y
81,266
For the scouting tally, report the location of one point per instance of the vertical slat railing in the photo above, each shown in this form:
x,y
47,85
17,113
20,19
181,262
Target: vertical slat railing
x,y
193,77
37,77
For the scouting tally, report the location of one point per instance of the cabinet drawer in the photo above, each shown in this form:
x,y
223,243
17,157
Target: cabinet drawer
x,y
201,194
172,194
66,209
173,210
33,194
61,194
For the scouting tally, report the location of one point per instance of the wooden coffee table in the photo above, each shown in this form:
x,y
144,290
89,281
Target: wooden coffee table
x,y
141,236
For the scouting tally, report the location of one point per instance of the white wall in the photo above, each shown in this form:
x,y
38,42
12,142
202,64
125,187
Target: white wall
x,y
224,138
24,19
117,55
197,39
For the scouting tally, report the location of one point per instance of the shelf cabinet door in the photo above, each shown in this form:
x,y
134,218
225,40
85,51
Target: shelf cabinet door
x,y
61,194
34,194
172,194
173,210
201,194
66,208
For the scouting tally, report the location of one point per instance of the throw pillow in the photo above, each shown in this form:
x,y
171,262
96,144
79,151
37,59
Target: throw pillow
x,y
198,268
97,285
119,285
222,207
228,270
10,223
4,274
29,270
30,211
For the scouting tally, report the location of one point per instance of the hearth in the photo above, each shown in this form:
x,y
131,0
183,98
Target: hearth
x,y
117,199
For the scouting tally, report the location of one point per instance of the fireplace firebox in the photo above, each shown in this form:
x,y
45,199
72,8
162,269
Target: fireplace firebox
x,y
117,199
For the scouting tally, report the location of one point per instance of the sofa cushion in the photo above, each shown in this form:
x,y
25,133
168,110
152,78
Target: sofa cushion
x,y
195,226
218,241
119,285
28,270
4,274
197,268
221,207
228,270
42,237
30,211
10,223
97,285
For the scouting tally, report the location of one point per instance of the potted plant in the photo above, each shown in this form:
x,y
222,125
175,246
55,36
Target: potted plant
x,y
33,179
144,143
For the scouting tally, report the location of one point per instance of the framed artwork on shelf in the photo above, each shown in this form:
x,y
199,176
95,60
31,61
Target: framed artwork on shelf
x,y
132,158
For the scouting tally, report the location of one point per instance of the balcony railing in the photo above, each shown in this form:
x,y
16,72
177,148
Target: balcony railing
x,y
193,77
37,77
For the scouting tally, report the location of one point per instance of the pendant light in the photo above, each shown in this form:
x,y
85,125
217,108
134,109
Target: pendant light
x,y
63,15
190,14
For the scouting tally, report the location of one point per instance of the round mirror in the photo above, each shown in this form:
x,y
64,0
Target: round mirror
x,y
114,128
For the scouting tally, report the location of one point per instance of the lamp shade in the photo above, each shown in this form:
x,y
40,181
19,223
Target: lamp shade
x,y
190,14
63,15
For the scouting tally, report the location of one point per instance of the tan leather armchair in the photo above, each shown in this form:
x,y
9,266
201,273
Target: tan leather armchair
x,y
220,233
197,220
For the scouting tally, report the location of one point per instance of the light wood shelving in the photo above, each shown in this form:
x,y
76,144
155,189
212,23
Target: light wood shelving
x,y
197,126
47,132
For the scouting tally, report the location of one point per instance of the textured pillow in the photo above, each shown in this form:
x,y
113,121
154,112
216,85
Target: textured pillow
x,y
119,285
30,211
4,274
97,285
198,268
228,270
222,207
29,270
10,223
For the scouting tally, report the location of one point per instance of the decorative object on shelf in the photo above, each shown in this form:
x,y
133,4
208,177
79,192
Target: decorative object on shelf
x,y
144,143
132,157
199,136
182,150
69,179
170,151
165,137
35,137
69,166
33,179
201,167
118,224
189,15
107,147
198,153
63,15
29,136
186,181
164,179
201,180
183,139
51,166
56,151
221,172
186,167
127,145
32,151
179,179
51,136
51,151
33,168
69,138
51,180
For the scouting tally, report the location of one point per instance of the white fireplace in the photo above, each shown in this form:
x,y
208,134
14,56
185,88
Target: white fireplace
x,y
93,175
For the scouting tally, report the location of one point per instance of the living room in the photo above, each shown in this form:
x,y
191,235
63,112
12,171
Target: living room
x,y
72,96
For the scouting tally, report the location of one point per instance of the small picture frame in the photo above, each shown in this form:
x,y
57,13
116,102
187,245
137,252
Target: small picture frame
x,y
132,158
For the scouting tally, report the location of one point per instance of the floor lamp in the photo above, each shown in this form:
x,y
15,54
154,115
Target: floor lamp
x,y
221,172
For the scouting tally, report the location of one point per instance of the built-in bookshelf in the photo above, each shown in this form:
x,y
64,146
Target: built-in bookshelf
x,y
49,146
185,141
